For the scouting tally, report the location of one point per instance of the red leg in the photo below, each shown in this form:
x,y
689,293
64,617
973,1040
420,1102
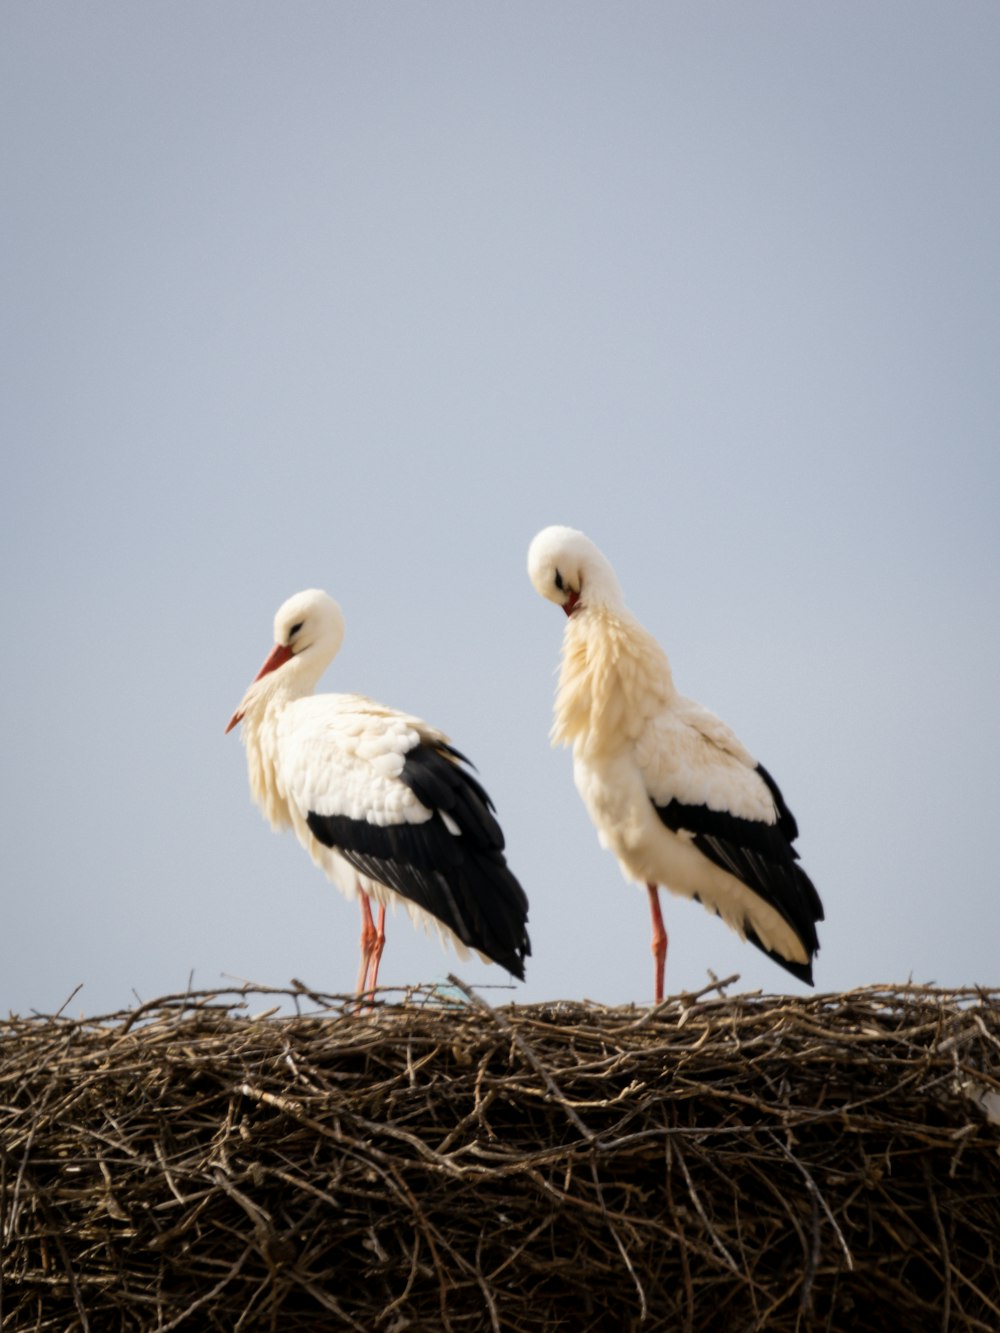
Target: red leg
x,y
368,937
659,945
377,948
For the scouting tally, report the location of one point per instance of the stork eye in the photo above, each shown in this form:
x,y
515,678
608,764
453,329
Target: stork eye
x,y
559,582
295,629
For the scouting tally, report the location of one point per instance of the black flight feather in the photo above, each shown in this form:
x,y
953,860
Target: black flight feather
x,y
762,857
461,879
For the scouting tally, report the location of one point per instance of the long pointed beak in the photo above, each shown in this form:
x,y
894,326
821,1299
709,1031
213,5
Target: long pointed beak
x,y
572,597
278,656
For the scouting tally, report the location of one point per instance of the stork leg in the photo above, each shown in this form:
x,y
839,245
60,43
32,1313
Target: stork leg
x,y
659,945
377,947
368,938
372,944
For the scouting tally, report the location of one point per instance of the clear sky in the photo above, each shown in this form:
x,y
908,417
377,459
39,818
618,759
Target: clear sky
x,y
360,296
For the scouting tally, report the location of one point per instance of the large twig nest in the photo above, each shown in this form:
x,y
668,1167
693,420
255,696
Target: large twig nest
x,y
754,1162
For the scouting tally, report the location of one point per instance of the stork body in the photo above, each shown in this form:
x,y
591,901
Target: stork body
x,y
382,802
671,790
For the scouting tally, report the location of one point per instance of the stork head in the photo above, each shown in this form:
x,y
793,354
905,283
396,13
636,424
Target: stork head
x,y
308,632
568,569
309,622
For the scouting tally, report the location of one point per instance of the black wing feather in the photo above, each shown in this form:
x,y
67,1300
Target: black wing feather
x,y
462,880
762,857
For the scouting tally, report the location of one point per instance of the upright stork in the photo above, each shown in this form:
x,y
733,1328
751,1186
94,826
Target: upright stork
x,y
382,802
672,792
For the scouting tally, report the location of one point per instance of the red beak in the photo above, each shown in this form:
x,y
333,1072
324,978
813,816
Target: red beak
x,y
279,655
569,606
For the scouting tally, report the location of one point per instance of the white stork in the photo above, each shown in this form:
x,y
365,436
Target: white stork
x,y
670,789
379,800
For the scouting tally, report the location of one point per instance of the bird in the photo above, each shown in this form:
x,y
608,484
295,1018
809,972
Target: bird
x,y
384,804
672,792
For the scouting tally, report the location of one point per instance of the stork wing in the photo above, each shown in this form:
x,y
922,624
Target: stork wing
x,y
704,783
395,799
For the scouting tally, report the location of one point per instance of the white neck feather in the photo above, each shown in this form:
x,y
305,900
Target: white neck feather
x,y
614,677
262,707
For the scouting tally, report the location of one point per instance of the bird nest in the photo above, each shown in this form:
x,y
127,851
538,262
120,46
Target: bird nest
x,y
432,1163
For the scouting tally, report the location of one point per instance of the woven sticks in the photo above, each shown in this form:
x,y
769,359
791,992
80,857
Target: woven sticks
x,y
725,1162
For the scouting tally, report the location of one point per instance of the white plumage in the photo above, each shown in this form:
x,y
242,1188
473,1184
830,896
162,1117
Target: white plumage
x,y
671,790
381,801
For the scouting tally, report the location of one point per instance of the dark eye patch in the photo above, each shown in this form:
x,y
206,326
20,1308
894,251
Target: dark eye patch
x,y
559,582
295,629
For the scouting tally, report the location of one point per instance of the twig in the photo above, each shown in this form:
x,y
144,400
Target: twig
x,y
528,1054
815,1192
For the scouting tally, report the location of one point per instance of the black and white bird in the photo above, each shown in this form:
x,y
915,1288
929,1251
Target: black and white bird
x,y
382,802
671,790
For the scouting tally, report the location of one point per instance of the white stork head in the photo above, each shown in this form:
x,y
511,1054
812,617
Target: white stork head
x,y
568,569
308,632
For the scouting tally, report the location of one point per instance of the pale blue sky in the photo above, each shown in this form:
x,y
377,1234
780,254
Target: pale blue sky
x,y
360,297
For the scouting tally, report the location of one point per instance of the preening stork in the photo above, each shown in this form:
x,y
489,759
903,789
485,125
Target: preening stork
x,y
382,802
670,789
